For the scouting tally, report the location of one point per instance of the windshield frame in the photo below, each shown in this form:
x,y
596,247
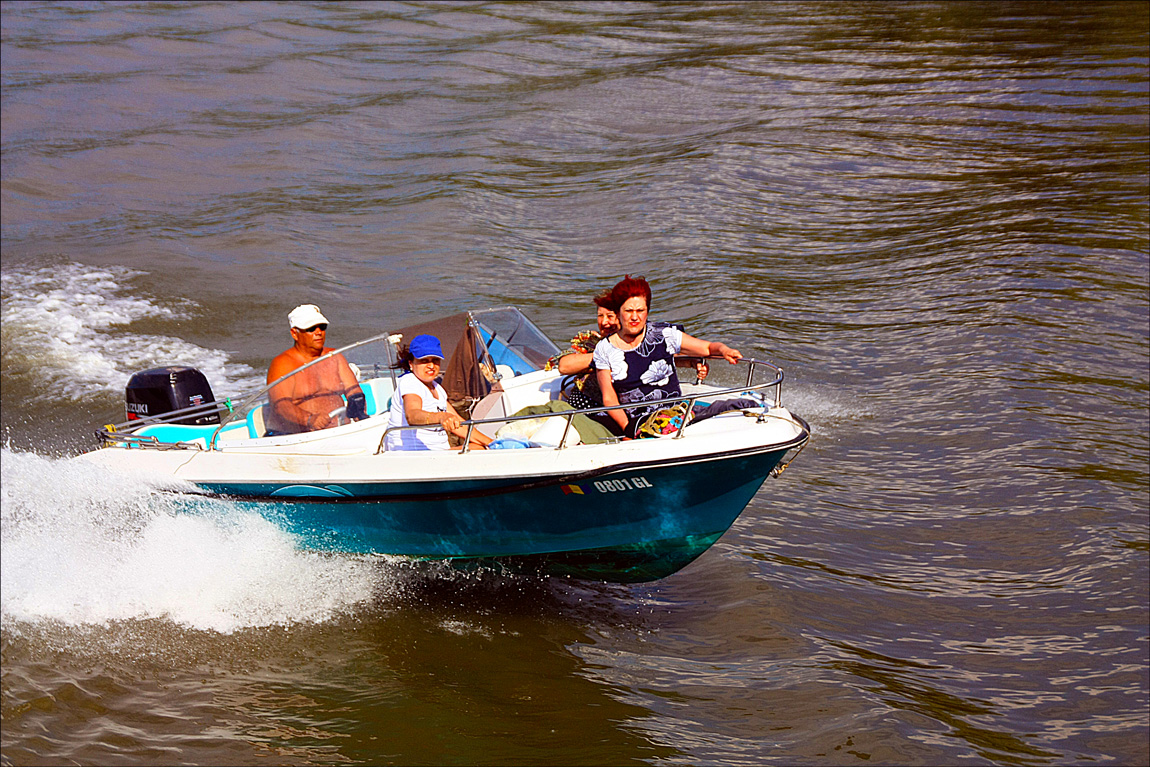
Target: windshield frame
x,y
538,344
240,410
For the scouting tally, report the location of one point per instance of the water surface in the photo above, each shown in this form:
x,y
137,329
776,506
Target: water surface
x,y
933,216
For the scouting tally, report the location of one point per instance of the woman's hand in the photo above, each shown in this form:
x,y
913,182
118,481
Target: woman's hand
x,y
701,348
453,422
450,422
417,416
719,349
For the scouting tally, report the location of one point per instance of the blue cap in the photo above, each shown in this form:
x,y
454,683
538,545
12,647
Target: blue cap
x,y
425,346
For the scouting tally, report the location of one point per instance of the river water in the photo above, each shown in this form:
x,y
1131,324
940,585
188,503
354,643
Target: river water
x,y
934,216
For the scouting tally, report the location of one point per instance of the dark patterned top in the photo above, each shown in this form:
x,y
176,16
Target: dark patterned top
x,y
646,372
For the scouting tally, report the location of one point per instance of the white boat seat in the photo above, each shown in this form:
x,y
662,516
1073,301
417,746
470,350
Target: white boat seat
x,y
378,393
179,432
257,424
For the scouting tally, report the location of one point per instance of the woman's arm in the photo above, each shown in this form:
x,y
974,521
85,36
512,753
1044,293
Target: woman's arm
x,y
417,416
479,440
570,364
450,419
607,386
698,346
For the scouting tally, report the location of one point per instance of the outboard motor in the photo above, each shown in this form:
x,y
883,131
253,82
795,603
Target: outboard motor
x,y
162,390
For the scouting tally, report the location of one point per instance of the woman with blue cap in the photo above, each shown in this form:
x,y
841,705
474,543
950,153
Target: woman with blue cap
x,y
420,400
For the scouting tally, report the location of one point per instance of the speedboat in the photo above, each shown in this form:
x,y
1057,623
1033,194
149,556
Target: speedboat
x,y
572,503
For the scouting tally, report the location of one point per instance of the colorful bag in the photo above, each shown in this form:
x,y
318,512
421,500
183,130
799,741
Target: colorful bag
x,y
665,422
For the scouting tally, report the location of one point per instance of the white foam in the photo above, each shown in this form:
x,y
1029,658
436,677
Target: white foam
x,y
82,546
67,324
822,405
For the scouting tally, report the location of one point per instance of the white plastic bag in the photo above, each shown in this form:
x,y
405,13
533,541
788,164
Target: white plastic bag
x,y
549,434
541,432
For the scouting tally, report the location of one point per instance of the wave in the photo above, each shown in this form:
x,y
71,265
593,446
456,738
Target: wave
x,y
68,328
88,547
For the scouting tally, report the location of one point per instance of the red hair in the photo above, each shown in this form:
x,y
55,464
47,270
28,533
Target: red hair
x,y
627,288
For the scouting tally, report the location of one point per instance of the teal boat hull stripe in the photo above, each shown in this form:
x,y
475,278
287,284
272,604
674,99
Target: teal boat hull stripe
x,y
436,490
625,524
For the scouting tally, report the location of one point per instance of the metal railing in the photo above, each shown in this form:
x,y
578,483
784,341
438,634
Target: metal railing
x,y
569,415
123,433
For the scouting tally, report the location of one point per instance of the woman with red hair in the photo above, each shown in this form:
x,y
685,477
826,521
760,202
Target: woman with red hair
x,y
637,362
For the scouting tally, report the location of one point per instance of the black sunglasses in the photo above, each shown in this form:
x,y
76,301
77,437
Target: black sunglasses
x,y
322,326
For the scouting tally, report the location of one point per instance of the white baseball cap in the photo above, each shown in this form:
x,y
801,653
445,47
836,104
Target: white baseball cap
x,y
306,316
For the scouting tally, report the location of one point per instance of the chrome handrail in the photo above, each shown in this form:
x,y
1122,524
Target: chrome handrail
x,y
570,414
123,432
148,442
113,431
252,399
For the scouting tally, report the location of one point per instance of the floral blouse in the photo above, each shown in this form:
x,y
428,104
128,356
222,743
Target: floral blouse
x,y
646,372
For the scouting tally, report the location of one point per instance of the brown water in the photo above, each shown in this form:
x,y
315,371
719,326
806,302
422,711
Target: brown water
x,y
934,216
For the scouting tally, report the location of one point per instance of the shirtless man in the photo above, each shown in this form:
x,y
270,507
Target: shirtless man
x,y
310,400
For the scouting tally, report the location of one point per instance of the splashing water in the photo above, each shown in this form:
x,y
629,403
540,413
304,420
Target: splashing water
x,y
83,546
67,323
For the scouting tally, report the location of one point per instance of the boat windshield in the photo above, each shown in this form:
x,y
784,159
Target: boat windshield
x,y
370,360
503,336
513,340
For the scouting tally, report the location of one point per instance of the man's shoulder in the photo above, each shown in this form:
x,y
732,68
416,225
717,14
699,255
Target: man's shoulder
x,y
282,364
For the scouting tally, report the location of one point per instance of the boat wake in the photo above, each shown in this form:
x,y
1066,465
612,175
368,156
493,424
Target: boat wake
x,y
68,327
83,547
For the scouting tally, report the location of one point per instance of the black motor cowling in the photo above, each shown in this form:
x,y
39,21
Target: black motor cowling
x,y
162,390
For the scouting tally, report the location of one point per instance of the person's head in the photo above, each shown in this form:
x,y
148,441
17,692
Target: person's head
x,y
630,299
423,357
308,326
605,317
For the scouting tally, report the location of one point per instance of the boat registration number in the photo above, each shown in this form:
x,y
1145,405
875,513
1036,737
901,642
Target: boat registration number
x,y
621,485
